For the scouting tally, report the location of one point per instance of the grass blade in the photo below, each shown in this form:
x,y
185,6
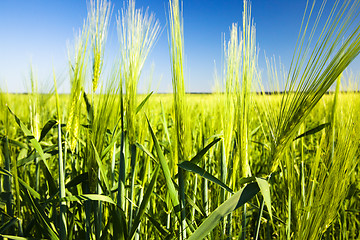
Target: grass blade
x,y
13,142
8,180
145,150
77,180
101,168
91,197
111,144
144,203
203,151
119,220
8,224
89,109
265,191
62,193
143,103
15,237
41,217
158,226
313,130
5,172
31,138
189,166
227,207
32,191
164,166
48,126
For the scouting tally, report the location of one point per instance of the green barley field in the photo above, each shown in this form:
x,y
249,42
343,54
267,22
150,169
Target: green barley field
x,y
244,162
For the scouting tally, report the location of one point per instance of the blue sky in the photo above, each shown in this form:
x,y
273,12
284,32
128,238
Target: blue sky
x,y
38,33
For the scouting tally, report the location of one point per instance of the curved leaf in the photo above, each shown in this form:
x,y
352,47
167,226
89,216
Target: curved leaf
x,y
200,154
31,138
91,197
143,102
265,191
77,180
165,168
144,203
189,166
313,130
5,172
15,237
50,124
33,192
41,217
13,142
145,150
230,205
102,169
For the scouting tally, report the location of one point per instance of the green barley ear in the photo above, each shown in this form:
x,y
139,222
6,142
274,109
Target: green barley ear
x,y
3,117
330,182
243,86
4,114
268,101
311,76
231,69
62,167
34,106
77,79
99,15
182,132
177,68
137,32
240,70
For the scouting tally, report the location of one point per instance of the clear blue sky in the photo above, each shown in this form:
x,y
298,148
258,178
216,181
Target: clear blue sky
x,y
37,32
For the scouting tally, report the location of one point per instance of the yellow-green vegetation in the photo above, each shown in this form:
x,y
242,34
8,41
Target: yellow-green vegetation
x,y
109,163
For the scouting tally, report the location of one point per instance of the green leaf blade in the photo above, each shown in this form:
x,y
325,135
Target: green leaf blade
x,y
230,205
165,168
265,191
141,105
189,166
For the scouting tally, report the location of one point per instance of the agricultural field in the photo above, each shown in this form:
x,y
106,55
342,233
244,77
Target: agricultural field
x,y
105,162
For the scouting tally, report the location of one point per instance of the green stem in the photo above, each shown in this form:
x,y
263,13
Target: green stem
x,y
99,208
7,181
37,173
62,227
181,176
259,220
261,211
132,183
243,223
228,229
288,225
121,180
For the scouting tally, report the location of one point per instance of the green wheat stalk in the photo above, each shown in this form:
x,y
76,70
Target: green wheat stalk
x,y
182,143
99,18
